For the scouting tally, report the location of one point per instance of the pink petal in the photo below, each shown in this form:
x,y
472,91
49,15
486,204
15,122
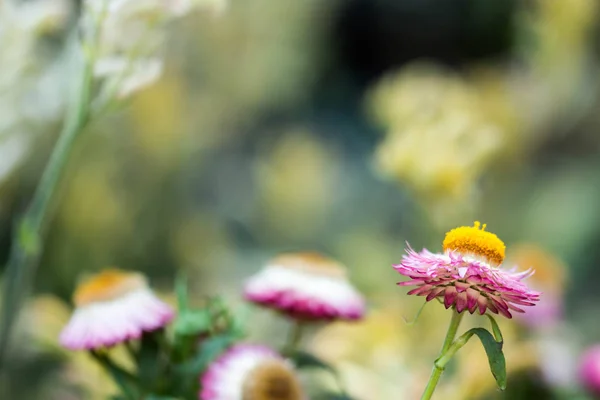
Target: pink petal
x,y
421,290
450,296
461,302
472,297
434,293
462,286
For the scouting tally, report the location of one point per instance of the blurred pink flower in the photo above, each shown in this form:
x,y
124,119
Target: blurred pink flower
x,y
113,307
467,275
589,369
250,372
306,286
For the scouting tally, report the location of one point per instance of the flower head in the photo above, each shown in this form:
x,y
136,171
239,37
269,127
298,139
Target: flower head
x,y
306,286
589,369
467,275
112,307
250,372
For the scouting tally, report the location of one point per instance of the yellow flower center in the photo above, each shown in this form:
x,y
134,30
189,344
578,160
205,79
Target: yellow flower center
x,y
312,263
475,240
107,286
271,380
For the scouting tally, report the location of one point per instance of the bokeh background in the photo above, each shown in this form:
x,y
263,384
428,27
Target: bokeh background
x,y
347,127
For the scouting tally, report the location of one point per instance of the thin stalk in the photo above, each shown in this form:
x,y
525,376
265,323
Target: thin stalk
x,y
436,373
294,337
27,237
121,377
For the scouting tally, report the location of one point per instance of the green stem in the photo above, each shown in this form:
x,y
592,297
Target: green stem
x,y
27,237
125,380
294,337
436,373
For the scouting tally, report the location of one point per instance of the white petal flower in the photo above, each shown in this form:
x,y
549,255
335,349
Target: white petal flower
x,y
250,372
306,286
113,307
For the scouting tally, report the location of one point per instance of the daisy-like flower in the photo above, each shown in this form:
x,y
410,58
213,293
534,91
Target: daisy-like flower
x,y
468,275
250,372
306,286
113,307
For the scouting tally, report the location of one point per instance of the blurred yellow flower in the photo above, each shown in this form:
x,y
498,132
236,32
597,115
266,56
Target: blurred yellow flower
x,y
442,133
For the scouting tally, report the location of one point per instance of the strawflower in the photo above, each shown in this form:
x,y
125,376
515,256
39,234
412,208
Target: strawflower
x,y
307,287
113,307
250,372
468,276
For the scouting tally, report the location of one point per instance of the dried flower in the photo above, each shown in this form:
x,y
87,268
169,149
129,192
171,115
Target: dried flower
x,y
112,307
306,286
467,275
250,372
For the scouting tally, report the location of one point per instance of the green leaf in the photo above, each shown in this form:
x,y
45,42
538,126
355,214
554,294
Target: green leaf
x,y
192,322
209,350
186,373
181,290
148,360
493,349
304,360
495,329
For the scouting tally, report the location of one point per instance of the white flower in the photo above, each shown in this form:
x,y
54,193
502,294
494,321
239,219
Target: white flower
x,y
306,286
250,372
113,307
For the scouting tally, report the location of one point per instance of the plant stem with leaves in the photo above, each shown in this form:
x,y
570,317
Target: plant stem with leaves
x,y
436,373
27,241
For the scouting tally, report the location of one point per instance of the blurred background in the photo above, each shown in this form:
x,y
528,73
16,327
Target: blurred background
x,y
346,127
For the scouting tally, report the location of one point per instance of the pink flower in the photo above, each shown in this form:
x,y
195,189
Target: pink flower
x,y
113,307
589,369
250,372
306,286
467,276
